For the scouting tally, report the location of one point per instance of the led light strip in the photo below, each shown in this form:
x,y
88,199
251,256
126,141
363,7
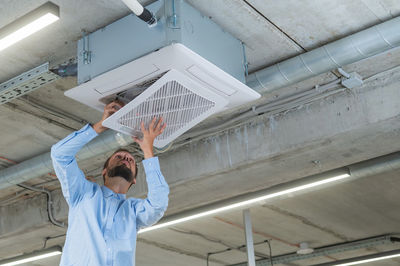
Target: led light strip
x,y
28,24
38,255
245,202
368,260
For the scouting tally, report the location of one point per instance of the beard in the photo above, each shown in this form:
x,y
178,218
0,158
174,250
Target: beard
x,y
121,171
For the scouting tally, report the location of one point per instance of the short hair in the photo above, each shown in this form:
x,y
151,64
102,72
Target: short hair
x,y
108,160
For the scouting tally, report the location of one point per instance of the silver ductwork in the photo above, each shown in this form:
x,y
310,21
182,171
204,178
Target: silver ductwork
x,y
41,164
350,49
353,48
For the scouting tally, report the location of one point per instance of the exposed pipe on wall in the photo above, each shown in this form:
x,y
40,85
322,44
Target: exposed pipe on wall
x,y
41,164
49,203
350,49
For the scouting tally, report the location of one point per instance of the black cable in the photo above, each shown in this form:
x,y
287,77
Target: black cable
x,y
51,237
270,252
208,256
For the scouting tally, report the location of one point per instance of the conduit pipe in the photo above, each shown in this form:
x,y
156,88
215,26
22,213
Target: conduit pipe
x,y
41,164
49,203
350,49
141,12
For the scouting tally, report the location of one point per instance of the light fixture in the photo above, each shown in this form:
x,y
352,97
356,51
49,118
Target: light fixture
x,y
36,255
304,249
28,24
248,199
364,259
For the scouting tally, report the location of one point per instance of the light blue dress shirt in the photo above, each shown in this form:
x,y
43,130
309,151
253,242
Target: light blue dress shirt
x,y
102,225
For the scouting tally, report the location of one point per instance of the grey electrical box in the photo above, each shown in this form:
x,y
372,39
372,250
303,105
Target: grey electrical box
x,y
178,22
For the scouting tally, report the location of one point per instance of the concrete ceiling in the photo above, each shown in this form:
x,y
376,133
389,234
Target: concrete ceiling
x,y
347,127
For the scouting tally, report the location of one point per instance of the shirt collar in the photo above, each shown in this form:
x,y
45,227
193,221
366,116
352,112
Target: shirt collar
x,y
109,193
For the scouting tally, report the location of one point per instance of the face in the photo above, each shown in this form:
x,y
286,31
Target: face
x,y
122,164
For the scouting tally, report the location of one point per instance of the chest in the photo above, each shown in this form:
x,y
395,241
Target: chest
x,y
113,217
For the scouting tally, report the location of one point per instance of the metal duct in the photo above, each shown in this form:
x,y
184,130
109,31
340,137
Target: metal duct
x,y
353,48
41,164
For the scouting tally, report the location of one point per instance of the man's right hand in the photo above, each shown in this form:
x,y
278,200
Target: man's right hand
x,y
109,110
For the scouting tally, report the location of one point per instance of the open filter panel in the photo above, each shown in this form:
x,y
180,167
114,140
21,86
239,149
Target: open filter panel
x,y
179,100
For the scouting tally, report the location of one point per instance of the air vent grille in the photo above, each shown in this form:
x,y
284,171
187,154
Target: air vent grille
x,y
176,104
181,101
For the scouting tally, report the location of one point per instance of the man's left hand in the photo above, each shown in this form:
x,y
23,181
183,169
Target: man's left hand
x,y
155,129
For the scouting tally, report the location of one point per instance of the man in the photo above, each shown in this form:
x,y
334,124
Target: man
x,y
102,223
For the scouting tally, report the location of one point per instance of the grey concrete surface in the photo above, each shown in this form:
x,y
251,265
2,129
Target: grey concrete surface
x,y
345,128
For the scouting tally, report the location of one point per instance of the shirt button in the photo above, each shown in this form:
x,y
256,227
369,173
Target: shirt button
x,y
109,249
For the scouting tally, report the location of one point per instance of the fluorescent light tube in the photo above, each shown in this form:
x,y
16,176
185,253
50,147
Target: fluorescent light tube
x,y
249,201
37,255
364,259
28,24
368,260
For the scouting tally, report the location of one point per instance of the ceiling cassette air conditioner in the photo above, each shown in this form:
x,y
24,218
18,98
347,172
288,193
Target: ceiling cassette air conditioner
x,y
174,83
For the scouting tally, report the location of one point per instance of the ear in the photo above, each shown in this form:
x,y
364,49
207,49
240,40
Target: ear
x,y
103,173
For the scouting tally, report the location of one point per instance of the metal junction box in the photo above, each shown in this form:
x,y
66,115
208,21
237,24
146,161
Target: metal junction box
x,y
178,22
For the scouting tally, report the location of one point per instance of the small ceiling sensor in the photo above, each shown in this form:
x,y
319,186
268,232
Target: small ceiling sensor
x,y
304,249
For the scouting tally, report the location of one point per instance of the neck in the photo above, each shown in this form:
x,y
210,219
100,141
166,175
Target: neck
x,y
117,184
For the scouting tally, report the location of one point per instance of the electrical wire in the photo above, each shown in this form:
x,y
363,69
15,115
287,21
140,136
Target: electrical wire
x,y
51,237
270,252
49,203
59,113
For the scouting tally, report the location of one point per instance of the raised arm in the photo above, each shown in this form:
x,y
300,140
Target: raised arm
x,y
151,209
73,183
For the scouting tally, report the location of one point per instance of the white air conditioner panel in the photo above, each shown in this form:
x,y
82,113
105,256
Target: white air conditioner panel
x,y
142,78
127,76
180,100
175,56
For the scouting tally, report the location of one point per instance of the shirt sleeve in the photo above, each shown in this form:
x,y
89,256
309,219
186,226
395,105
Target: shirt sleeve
x,y
73,182
148,211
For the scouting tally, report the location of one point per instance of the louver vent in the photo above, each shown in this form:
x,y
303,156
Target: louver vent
x,y
181,102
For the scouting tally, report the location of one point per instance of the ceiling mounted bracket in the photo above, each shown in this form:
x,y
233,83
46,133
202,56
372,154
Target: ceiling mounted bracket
x,y
26,83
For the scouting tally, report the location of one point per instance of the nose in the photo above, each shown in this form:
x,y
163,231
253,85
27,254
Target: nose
x,y
127,158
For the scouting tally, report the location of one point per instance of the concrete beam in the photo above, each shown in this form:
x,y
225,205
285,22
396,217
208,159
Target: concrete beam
x,y
326,134
339,130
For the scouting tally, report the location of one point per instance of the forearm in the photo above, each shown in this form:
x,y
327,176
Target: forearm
x,y
148,152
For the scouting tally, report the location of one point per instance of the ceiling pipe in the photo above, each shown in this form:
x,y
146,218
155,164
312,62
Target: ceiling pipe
x,y
141,12
353,48
41,164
